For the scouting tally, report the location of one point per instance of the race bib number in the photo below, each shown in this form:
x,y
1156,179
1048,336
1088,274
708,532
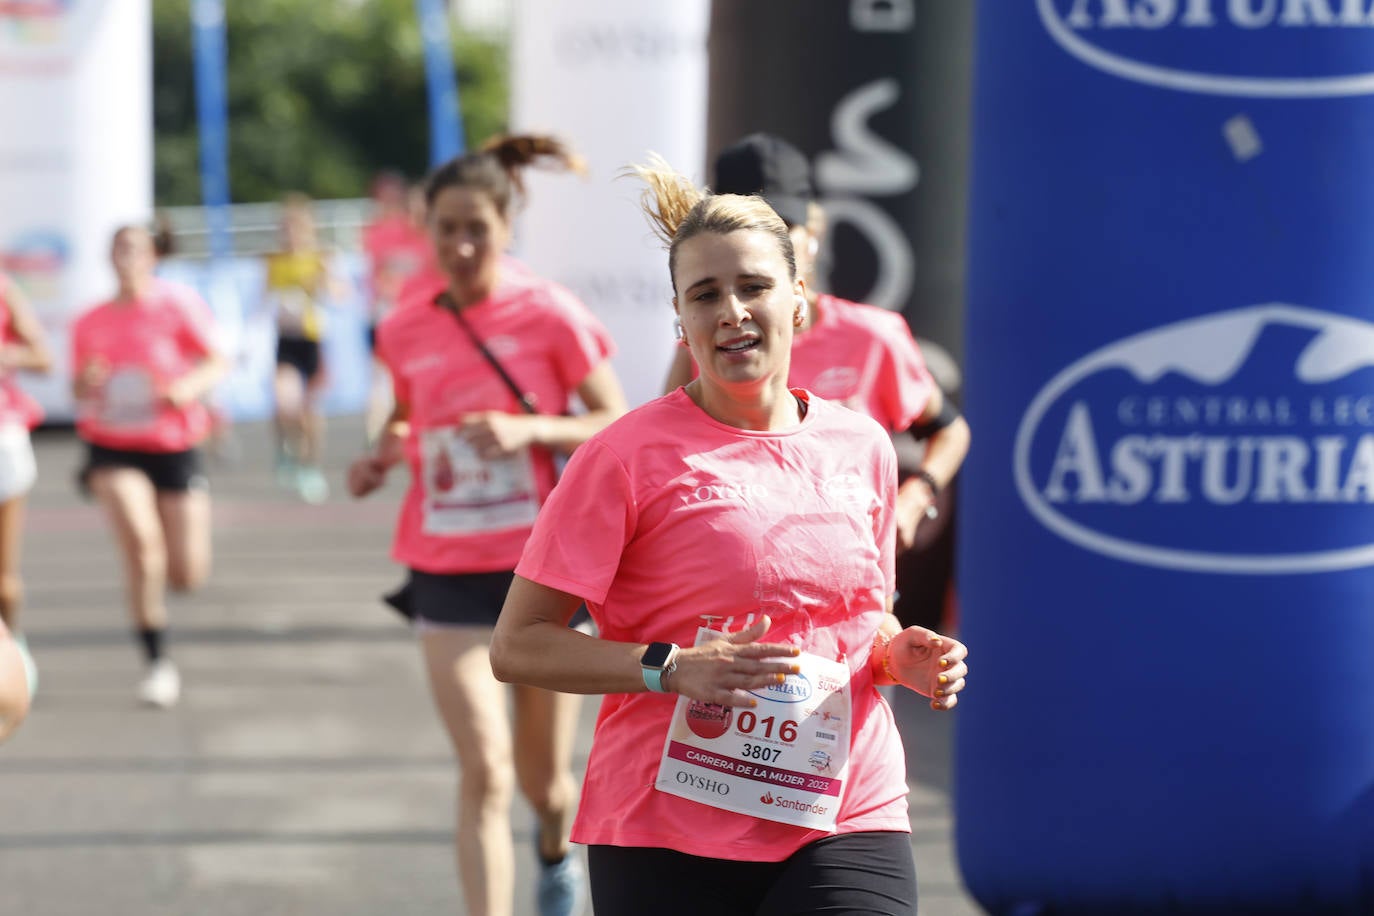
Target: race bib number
x,y
129,400
467,494
784,760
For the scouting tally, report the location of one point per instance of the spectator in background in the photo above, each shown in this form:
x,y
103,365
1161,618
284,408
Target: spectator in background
x,y
859,355
142,364
397,249
297,287
23,348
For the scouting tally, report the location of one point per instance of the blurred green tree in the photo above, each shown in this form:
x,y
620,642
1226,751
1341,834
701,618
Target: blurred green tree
x,y
322,96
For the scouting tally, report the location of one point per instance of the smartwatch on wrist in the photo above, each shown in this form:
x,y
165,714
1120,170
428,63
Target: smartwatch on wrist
x,y
659,659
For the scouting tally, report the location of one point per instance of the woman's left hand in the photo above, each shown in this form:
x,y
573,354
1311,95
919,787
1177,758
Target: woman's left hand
x,y
928,663
495,434
177,394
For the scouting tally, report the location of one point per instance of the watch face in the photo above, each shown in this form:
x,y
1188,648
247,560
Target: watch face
x,y
656,656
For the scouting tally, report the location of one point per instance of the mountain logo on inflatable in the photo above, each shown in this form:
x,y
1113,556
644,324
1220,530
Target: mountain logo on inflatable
x,y
1237,442
1246,48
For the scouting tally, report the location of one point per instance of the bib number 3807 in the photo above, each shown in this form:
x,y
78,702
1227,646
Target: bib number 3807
x,y
784,760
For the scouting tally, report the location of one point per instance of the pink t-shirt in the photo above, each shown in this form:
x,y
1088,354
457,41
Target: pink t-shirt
x,y
188,298
421,287
668,515
865,358
16,406
462,513
396,249
146,345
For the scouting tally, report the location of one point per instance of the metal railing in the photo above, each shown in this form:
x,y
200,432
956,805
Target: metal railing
x,y
255,228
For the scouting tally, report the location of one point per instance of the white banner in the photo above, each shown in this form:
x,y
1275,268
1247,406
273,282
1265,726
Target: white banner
x,y
76,156
617,79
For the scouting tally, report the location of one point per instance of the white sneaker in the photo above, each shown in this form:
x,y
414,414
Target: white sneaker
x,y
312,485
161,686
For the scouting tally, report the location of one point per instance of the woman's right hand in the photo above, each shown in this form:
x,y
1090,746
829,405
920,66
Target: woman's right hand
x,y
366,474
92,378
723,670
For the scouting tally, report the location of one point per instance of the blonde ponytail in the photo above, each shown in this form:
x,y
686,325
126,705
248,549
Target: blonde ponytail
x,y
678,210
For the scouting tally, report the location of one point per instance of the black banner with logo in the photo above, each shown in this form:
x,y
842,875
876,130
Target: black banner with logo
x,y
876,93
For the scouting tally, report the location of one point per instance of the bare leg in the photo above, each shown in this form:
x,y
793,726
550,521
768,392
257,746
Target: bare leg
x,y
185,521
545,728
11,585
472,705
14,690
312,421
289,393
130,503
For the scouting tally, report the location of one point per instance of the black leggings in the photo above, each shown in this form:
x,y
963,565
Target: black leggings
x,y
868,873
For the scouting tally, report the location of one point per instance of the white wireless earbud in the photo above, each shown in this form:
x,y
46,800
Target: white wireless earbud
x,y
678,333
800,318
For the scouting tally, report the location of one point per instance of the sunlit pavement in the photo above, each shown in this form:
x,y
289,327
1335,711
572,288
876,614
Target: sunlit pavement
x,y
304,771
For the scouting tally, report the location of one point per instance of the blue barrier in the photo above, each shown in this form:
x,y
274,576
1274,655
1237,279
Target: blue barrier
x,y
1167,535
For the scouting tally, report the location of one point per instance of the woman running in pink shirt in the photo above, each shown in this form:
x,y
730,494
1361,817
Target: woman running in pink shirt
x,y
729,775
483,374
142,362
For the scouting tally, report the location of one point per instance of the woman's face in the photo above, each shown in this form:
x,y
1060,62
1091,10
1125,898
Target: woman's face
x,y
132,255
469,236
738,306
297,232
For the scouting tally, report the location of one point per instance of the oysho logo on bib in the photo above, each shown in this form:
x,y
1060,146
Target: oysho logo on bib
x,y
1250,48
1238,442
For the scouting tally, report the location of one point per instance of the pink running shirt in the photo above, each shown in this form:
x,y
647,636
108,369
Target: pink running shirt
x,y
865,358
146,344
396,250
17,407
548,342
668,515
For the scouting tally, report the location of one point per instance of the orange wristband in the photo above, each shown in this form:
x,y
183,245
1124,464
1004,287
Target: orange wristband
x,y
887,660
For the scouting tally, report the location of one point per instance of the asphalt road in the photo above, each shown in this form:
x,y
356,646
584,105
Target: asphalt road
x,y
304,771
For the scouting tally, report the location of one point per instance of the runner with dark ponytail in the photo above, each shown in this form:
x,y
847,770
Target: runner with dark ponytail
x,y
484,373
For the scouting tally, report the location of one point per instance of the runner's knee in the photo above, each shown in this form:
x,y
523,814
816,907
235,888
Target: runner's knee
x,y
486,784
11,590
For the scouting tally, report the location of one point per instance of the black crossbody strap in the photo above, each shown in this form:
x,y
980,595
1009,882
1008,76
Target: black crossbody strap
x,y
527,400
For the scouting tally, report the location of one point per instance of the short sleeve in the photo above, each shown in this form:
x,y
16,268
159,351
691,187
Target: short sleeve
x,y
905,386
195,326
586,345
583,528
885,519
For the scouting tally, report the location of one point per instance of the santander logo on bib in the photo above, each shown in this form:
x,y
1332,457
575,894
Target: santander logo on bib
x,y
1237,442
1251,48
